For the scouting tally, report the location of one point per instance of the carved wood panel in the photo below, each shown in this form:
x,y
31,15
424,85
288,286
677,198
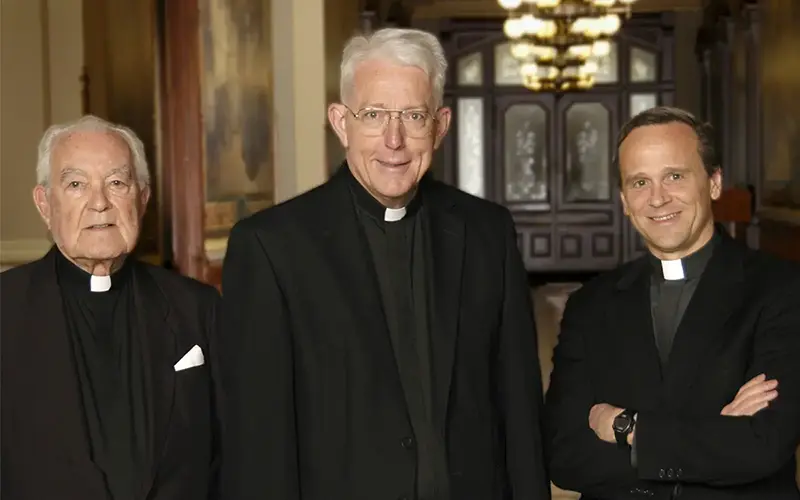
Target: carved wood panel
x,y
548,157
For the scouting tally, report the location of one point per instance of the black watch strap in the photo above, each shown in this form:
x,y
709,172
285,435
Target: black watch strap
x,y
623,425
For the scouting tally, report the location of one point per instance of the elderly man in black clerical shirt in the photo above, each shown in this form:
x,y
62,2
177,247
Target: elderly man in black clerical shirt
x,y
677,374
107,362
378,334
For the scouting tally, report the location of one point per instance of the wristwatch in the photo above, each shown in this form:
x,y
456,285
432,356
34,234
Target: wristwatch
x,y
623,425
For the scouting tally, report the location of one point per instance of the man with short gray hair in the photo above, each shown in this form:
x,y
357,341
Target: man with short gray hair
x,y
106,361
378,333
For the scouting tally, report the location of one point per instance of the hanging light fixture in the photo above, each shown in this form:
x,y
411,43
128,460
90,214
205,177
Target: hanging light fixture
x,y
558,42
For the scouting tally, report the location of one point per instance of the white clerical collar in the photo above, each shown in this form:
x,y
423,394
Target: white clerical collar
x,y
100,283
673,270
394,214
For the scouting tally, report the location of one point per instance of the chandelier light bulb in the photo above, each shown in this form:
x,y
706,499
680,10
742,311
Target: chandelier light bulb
x,y
546,4
589,68
522,50
582,51
603,3
509,4
601,48
513,28
610,24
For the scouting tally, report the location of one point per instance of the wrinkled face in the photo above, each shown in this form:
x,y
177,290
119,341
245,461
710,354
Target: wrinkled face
x,y
93,205
389,157
666,192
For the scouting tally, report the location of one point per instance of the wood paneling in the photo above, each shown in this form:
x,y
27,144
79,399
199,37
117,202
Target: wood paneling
x,y
182,135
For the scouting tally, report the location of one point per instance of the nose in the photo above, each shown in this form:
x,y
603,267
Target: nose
x,y
394,138
98,200
659,196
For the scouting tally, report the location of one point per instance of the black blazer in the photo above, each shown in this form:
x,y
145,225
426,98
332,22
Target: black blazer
x,y
317,410
743,320
45,446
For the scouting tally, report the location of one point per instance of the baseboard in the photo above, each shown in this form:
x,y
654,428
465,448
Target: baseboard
x,y
15,252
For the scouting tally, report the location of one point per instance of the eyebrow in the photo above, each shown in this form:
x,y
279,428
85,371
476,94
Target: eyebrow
x,y
125,170
666,171
71,171
380,105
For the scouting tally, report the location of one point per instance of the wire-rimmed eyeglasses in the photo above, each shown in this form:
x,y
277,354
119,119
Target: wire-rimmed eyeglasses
x,y
416,122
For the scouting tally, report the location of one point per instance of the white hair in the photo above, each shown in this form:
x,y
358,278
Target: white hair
x,y
406,47
90,123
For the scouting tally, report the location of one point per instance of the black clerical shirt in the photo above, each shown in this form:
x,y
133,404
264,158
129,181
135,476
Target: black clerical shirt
x,y
670,298
109,369
401,256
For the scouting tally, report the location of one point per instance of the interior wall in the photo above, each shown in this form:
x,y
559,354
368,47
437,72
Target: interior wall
x,y
119,52
687,69
341,22
41,60
780,85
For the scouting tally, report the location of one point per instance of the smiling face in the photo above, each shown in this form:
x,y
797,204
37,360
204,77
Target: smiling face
x,y
390,163
666,191
93,204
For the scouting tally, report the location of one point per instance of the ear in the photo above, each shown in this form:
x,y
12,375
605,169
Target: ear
x,y
624,203
42,203
337,115
716,184
443,116
144,196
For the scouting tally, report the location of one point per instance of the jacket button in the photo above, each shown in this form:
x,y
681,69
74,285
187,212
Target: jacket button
x,y
679,473
662,473
670,473
407,442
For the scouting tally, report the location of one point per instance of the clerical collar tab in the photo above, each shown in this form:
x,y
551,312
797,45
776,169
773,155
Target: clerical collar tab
x,y
100,283
394,214
673,270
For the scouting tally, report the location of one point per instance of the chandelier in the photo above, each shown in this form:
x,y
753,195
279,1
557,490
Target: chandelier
x,y
558,42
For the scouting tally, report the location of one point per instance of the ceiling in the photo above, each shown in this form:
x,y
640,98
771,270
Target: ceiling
x,y
423,9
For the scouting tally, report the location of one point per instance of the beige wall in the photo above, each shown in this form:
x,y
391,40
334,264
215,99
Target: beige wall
x,y
341,22
40,68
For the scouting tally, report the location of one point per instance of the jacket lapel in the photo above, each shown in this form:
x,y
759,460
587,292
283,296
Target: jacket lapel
x,y
153,327
346,248
447,250
632,332
56,397
718,294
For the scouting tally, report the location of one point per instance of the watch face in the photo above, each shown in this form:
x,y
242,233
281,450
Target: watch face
x,y
622,423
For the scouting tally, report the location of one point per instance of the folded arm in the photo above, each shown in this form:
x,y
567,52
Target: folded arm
x,y
727,450
579,461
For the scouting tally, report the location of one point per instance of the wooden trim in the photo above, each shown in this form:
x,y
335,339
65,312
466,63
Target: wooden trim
x,y
183,141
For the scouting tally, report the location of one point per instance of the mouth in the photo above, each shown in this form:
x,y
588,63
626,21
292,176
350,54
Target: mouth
x,y
393,164
97,227
665,218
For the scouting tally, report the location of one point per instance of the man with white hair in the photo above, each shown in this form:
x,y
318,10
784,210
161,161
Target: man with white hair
x,y
378,332
107,391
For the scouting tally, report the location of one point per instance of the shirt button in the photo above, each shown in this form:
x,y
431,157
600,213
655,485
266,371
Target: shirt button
x,y
407,442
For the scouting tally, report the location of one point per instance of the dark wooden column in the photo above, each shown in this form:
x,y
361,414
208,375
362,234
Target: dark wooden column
x,y
182,143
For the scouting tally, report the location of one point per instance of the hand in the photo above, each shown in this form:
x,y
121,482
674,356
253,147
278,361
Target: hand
x,y
752,397
601,420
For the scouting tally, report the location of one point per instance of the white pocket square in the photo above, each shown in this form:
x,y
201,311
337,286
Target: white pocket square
x,y
191,359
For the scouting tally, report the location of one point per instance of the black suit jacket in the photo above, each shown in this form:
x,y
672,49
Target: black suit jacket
x,y
45,446
743,320
317,409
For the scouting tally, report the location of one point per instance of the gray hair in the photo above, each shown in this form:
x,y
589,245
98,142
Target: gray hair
x,y
90,123
406,47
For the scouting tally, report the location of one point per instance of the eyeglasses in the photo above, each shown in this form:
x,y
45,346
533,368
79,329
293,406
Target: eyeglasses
x,y
416,123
